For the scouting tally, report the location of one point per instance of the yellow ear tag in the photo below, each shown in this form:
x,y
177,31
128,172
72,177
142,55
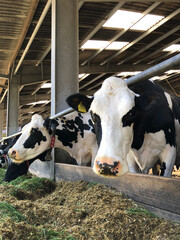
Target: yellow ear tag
x,y
81,108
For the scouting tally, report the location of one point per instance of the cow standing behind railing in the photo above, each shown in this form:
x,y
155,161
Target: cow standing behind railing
x,y
143,119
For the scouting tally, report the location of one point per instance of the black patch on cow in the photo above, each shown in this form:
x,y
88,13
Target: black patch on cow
x,y
92,126
70,131
97,126
163,168
35,137
15,170
150,114
51,125
129,118
176,107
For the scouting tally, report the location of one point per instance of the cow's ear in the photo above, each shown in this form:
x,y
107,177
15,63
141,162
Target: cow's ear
x,y
46,123
148,101
50,124
79,102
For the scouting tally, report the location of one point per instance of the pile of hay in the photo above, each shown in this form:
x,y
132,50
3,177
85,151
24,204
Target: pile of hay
x,y
37,208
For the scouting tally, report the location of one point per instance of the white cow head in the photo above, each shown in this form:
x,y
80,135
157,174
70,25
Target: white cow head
x,y
108,107
34,140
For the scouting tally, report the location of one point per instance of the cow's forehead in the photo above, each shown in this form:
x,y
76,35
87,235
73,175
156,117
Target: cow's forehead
x,y
36,121
112,90
112,84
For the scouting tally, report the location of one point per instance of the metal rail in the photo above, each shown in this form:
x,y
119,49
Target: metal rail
x,y
155,70
60,114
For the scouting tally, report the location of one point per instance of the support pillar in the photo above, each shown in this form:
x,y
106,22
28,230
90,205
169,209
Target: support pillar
x,y
12,107
64,56
1,120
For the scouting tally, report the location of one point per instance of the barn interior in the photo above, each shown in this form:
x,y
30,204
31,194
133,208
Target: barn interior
x,y
105,38
50,49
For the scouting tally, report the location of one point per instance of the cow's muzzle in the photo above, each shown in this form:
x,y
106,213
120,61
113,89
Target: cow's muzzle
x,y
108,167
13,154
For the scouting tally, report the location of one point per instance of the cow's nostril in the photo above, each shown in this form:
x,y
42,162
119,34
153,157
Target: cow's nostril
x,y
13,153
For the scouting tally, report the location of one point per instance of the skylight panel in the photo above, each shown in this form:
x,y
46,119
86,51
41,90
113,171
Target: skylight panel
x,y
83,76
172,71
95,44
122,19
46,85
125,19
147,22
159,78
155,78
117,45
173,48
124,74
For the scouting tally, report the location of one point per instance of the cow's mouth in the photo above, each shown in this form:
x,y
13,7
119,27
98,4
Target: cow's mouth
x,y
17,160
108,169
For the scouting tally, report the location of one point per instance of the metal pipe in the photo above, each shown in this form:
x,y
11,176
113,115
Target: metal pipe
x,y
155,70
60,114
44,55
4,94
48,4
10,136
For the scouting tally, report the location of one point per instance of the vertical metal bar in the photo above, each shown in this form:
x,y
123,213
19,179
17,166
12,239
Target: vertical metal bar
x,y
64,57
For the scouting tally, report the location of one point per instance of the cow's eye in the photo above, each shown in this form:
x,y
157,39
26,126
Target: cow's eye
x,y
92,116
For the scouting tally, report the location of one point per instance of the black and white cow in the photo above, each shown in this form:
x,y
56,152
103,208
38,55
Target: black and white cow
x,y
74,133
134,125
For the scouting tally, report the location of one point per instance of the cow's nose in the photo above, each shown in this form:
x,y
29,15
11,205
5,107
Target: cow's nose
x,y
106,167
12,153
109,167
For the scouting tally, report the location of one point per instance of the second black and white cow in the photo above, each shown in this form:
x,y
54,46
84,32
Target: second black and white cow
x,y
137,125
15,170
73,133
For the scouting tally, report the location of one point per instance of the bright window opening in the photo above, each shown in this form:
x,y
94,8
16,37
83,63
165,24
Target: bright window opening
x,y
46,85
173,48
83,76
97,44
125,19
124,74
117,45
